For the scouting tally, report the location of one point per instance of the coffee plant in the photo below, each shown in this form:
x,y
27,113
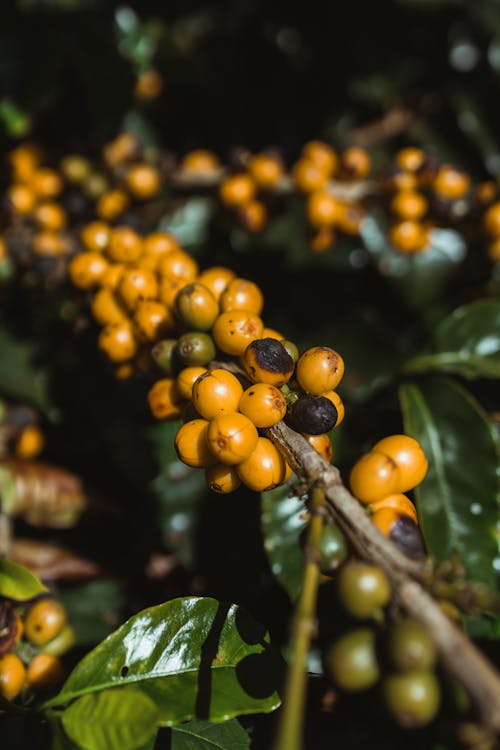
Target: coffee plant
x,y
249,279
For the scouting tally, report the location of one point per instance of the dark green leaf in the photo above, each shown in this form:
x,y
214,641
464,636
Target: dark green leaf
x,y
119,719
458,500
421,277
195,657
180,490
17,582
282,522
204,735
93,609
20,378
482,627
467,343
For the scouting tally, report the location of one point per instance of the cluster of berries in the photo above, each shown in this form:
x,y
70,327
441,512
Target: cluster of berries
x,y
20,432
33,637
395,465
404,651
224,410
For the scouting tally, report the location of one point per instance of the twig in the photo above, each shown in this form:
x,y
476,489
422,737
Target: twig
x,y
393,123
462,659
290,729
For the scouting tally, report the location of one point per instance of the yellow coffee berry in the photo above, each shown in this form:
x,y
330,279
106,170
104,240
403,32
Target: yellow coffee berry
x,y
263,404
241,294
125,245
264,468
216,279
106,308
30,442
322,444
408,456
12,676
196,307
118,342
165,400
216,391
187,378
95,236
45,619
152,320
178,265
334,397
232,437
374,476
136,284
87,269
222,478
319,370
191,444
235,329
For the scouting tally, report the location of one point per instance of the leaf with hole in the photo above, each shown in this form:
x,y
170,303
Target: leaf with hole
x,y
458,502
195,657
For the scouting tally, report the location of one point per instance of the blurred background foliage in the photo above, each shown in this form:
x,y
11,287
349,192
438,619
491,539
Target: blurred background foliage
x,y
257,75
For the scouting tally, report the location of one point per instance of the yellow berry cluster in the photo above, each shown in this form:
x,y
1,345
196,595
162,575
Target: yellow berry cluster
x,y
32,638
395,465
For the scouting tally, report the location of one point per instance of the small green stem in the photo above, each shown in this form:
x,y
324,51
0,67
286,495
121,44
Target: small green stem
x,y
290,730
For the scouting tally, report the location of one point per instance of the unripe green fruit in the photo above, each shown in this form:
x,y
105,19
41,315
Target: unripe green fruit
x,y
333,549
291,349
195,349
409,646
163,354
363,589
351,660
412,698
61,643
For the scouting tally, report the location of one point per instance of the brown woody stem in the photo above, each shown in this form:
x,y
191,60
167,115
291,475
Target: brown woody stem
x,y
460,656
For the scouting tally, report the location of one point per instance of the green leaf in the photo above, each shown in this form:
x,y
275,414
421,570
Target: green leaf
x,y
17,582
458,502
190,221
467,343
204,735
482,627
93,609
19,377
282,523
119,719
421,277
195,657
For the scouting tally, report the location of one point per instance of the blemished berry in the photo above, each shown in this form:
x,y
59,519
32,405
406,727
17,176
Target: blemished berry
x,y
187,378
196,307
319,369
12,676
222,478
136,284
271,333
241,294
195,349
45,672
322,444
118,342
263,404
363,589
163,355
413,698
264,468
267,361
312,414
216,279
352,661
234,330
409,646
408,456
398,502
215,392
165,400
191,444
232,437
334,397
402,531
45,619
374,477
152,320
333,549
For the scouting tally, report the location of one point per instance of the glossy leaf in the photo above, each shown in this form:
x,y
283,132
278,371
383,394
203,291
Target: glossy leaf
x,y
205,735
119,719
17,582
420,277
467,343
195,657
458,500
282,523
